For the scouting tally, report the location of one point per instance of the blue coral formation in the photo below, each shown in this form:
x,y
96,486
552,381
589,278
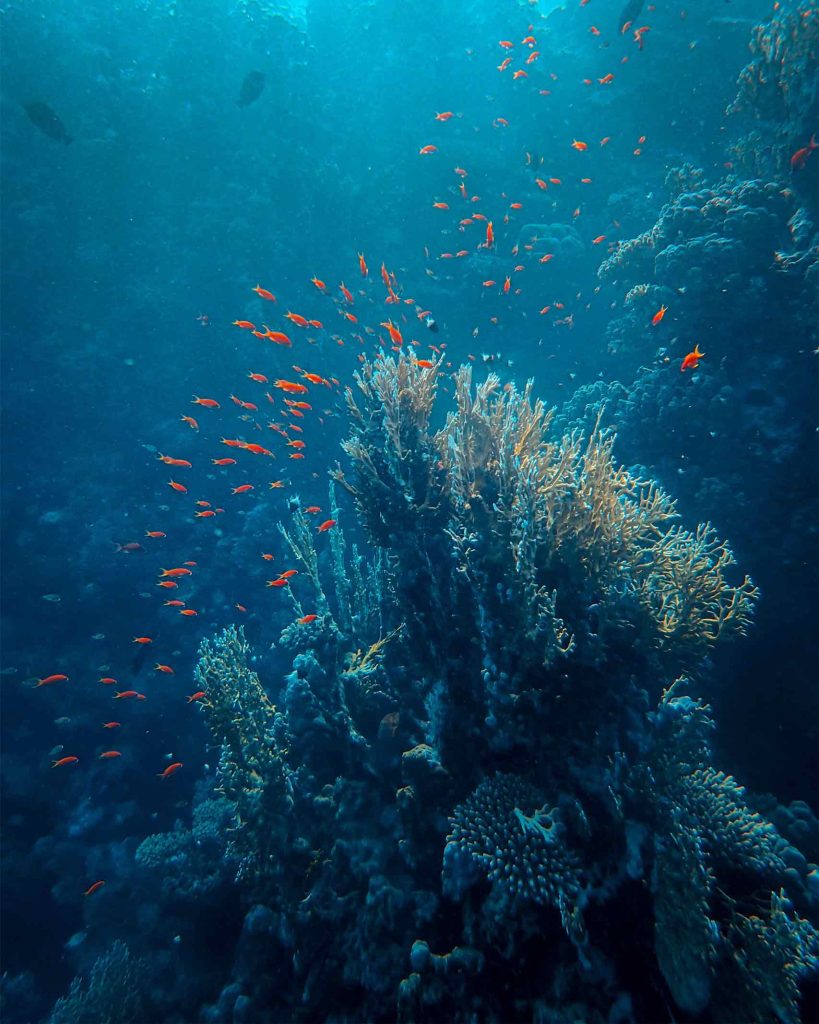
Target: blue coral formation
x,y
472,775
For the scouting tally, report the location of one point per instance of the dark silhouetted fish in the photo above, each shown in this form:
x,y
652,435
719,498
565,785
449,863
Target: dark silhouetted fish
x,y
629,13
47,121
252,88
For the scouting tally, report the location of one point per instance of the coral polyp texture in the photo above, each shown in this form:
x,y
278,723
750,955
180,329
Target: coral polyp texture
x,y
461,780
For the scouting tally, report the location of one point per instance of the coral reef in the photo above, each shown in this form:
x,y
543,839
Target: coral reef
x,y
461,776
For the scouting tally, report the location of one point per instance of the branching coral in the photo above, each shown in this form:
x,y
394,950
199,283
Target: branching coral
x,y
252,771
115,992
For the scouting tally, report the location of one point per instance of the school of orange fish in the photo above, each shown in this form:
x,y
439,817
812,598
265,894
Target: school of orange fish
x,y
354,309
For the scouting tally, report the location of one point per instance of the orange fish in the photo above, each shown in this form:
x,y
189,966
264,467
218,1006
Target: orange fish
x,y
440,206
263,293
170,770
223,462
276,583
348,295
692,360
507,284
362,266
164,668
426,363
258,377
579,146
520,73
322,287
106,755
800,157
155,534
297,319
424,150
173,462
48,680
606,79
111,725
177,486
598,240
445,116
659,315
242,489
306,619
196,696
278,337
188,612
328,524
291,387
142,640
546,257
181,571
71,759
93,888
173,604
192,423
244,324
288,574
108,680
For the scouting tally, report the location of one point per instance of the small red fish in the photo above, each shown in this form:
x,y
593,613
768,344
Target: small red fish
x,y
71,759
107,755
108,680
93,888
58,677
242,489
196,696
263,293
579,146
181,571
155,534
164,668
659,315
111,725
170,770
424,150
142,640
692,360
801,155
207,403
125,694
328,524
178,487
306,619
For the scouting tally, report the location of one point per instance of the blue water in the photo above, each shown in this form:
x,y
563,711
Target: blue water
x,y
147,186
